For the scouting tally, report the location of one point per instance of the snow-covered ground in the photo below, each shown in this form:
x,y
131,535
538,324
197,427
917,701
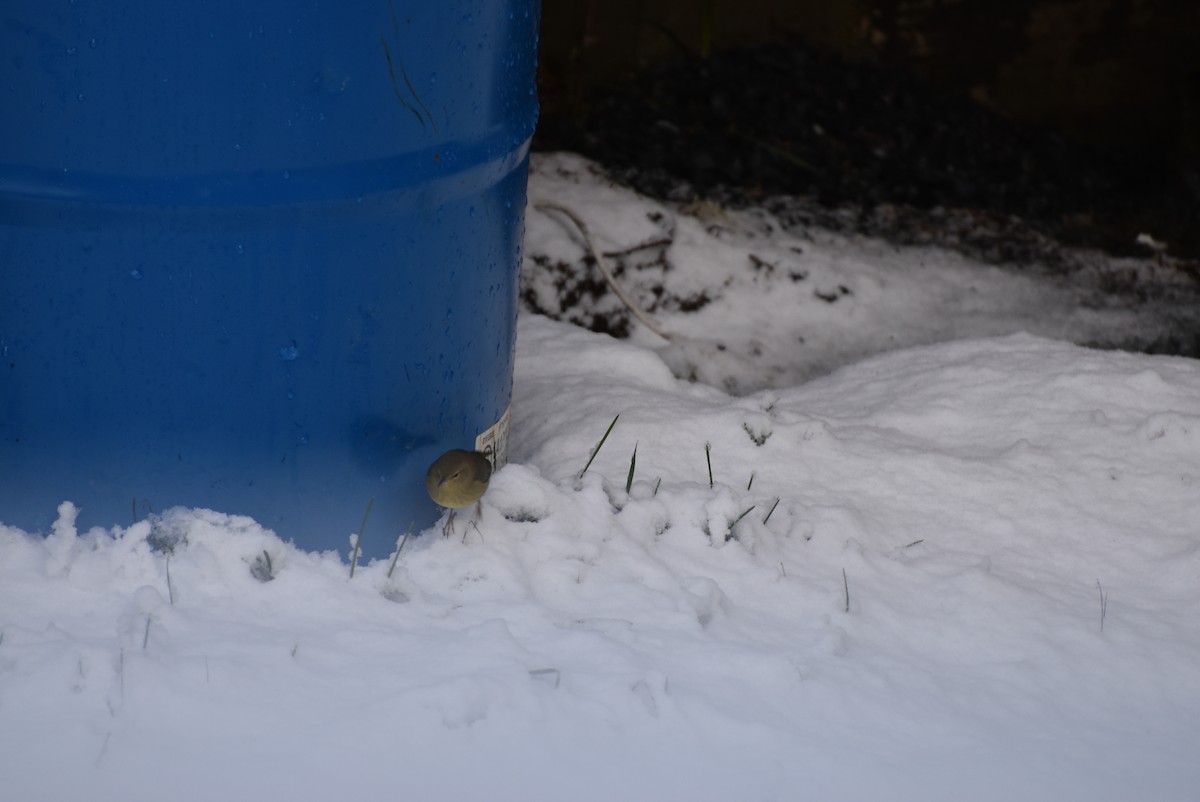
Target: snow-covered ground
x,y
958,571
752,305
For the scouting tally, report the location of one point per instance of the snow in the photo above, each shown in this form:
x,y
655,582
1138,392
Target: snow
x,y
920,618
787,305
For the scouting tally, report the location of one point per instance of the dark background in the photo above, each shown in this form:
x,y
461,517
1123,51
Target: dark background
x,y
1079,117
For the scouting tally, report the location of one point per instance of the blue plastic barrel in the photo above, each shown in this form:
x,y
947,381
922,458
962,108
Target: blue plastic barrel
x,y
259,257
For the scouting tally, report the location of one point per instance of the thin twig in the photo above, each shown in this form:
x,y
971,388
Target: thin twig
x,y
661,242
708,459
751,482
603,267
846,588
1103,603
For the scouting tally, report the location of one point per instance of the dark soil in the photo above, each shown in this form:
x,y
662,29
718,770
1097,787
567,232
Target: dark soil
x,y
860,148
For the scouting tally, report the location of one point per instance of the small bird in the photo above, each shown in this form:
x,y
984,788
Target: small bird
x,y
458,479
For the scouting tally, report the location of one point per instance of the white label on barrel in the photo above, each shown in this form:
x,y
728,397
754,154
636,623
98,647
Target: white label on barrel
x,y
494,441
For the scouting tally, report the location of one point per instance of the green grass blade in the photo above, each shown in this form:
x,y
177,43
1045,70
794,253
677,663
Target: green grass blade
x,y
773,506
632,466
733,524
358,540
846,588
599,445
400,548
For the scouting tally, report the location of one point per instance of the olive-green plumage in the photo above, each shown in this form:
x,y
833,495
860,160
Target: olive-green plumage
x,y
458,478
